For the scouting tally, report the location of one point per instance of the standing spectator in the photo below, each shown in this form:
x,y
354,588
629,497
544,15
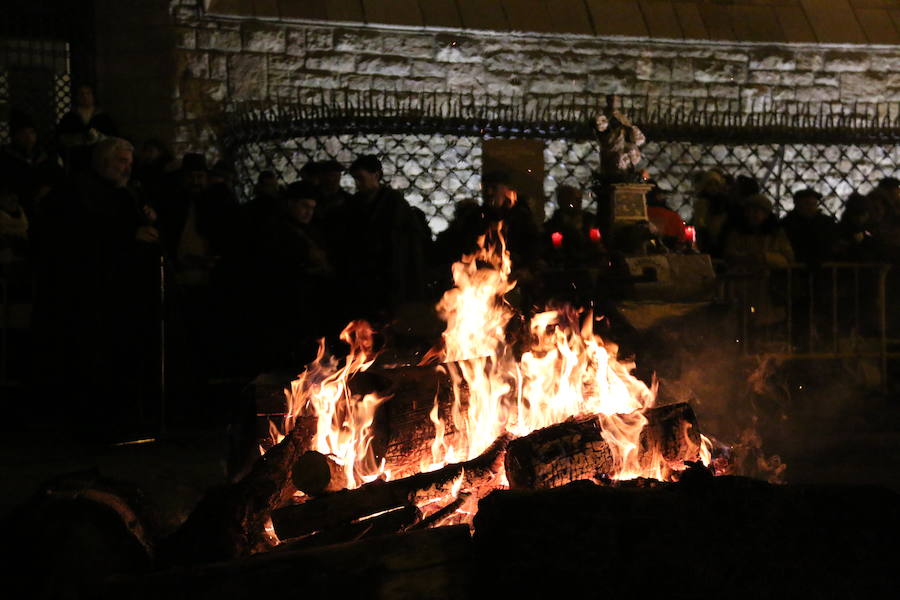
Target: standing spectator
x,y
152,163
332,197
24,166
813,235
82,127
500,204
380,248
758,241
713,210
294,281
856,242
755,246
97,272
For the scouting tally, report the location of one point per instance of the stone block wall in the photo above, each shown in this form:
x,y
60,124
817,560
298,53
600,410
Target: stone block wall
x,y
220,60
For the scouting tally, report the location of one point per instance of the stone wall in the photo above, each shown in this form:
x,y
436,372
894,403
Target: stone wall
x,y
219,60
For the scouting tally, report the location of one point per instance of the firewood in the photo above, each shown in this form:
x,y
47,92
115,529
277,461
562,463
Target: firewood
x,y
315,474
230,520
395,520
434,563
575,449
403,426
331,510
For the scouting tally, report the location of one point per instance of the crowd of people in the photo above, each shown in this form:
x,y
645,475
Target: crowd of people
x,y
108,241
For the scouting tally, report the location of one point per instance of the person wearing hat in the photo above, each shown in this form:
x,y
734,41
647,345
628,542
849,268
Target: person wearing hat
x,y
758,240
814,236
753,246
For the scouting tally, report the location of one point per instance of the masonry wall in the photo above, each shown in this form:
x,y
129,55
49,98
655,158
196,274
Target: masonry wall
x,y
221,60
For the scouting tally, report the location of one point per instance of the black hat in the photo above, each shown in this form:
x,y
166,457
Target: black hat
x,y
301,189
192,161
889,183
806,193
331,166
367,162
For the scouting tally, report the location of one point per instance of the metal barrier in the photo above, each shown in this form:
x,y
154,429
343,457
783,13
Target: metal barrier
x,y
833,311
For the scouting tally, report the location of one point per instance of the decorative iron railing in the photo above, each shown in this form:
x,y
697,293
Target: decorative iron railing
x,y
430,142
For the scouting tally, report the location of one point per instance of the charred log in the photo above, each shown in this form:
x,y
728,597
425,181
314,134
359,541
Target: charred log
x,y
229,521
575,449
315,474
403,426
325,512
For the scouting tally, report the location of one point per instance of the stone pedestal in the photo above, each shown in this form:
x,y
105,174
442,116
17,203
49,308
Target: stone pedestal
x,y
621,205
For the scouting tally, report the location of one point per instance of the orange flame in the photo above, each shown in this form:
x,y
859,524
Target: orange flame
x,y
343,420
564,371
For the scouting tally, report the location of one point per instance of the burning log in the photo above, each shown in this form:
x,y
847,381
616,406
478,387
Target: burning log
x,y
403,426
315,474
230,521
325,512
573,450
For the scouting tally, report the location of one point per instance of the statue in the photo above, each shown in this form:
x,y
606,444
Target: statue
x,y
620,143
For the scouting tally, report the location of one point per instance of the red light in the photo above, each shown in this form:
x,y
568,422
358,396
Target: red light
x,y
557,238
691,233
595,234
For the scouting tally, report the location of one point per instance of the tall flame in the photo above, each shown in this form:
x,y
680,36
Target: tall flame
x,y
343,420
564,370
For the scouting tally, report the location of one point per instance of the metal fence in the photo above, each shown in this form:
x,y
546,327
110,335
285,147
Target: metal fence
x,y
838,310
430,143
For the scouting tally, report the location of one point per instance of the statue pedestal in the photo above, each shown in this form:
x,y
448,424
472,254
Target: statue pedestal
x,y
622,205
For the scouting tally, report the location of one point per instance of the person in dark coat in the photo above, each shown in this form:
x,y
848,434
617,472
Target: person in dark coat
x,y
24,165
380,252
97,254
332,197
500,204
813,235
82,127
856,241
294,281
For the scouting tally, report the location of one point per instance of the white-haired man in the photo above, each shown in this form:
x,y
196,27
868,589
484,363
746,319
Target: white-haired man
x,y
97,256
